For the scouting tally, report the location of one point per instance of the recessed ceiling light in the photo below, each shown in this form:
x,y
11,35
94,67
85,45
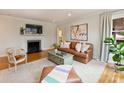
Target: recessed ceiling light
x,y
69,14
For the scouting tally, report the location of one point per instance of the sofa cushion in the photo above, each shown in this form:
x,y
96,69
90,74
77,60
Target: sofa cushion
x,y
79,54
64,50
72,51
72,45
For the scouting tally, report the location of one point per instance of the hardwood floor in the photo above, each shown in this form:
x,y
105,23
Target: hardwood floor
x,y
35,56
30,58
3,63
108,75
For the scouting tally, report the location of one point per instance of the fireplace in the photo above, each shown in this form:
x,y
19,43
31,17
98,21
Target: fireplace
x,y
33,46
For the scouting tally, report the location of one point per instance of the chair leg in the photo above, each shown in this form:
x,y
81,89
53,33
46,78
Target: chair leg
x,y
9,66
26,59
15,67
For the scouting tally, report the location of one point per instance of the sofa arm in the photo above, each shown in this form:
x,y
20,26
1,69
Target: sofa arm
x,y
89,51
89,54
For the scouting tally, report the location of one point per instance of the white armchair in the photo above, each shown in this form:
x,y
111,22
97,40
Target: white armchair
x,y
16,56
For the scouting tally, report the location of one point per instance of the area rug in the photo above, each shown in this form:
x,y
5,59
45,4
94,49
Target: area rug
x,y
30,72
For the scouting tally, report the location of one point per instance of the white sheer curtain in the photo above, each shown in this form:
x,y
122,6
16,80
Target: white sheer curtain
x,y
105,31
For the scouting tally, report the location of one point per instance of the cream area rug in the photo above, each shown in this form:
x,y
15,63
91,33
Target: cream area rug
x,y
30,72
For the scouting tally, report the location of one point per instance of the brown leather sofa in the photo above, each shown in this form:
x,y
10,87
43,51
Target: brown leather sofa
x,y
79,56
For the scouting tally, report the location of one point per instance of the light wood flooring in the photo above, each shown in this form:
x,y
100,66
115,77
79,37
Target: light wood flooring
x,y
108,75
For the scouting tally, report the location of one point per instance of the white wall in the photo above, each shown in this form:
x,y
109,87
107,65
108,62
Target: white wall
x,y
10,33
93,31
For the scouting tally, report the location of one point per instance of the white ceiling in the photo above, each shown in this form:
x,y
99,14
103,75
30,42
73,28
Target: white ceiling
x,y
50,15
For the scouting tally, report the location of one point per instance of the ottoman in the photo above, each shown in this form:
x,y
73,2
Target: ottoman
x,y
72,77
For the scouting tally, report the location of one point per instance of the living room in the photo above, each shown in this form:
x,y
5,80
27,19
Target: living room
x,y
38,37
19,28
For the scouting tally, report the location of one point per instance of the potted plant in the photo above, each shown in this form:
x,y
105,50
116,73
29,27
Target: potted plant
x,y
56,46
117,49
22,30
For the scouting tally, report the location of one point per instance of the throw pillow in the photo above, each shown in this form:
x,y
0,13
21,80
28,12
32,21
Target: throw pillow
x,y
65,45
72,45
61,44
85,47
78,47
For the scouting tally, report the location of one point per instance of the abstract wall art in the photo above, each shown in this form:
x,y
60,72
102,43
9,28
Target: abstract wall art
x,y
79,32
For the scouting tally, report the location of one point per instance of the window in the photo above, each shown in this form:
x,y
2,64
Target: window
x,y
118,29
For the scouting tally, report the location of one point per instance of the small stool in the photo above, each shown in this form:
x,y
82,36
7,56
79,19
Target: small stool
x,y
72,77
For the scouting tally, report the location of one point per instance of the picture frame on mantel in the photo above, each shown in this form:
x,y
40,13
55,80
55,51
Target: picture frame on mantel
x,y
79,32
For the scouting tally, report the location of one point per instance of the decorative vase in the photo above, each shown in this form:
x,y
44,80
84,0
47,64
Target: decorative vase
x,y
21,31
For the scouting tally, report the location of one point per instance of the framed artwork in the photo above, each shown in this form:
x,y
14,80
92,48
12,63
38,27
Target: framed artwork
x,y
79,32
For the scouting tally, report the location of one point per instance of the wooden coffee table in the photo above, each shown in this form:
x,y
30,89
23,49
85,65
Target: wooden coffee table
x,y
60,57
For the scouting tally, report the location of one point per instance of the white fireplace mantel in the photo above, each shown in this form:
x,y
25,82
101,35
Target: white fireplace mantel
x,y
26,38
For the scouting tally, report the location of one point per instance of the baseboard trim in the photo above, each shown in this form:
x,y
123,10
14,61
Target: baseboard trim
x,y
3,55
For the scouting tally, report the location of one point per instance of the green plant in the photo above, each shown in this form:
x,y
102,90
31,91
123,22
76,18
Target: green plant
x,y
56,46
117,49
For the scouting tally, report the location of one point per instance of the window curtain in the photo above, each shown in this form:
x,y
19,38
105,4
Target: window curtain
x,y
105,31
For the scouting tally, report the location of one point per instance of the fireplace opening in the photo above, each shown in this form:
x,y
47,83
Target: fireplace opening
x,y
33,46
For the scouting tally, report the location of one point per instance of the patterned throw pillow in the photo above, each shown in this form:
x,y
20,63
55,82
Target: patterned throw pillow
x,y
85,47
65,45
78,47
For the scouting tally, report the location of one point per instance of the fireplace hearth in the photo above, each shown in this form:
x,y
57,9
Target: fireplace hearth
x,y
33,46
